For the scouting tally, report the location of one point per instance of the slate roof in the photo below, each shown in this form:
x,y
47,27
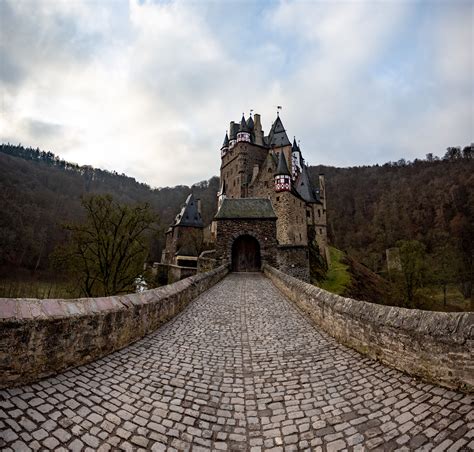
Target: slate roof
x,y
250,123
243,125
295,147
226,141
303,186
189,215
245,208
282,168
277,136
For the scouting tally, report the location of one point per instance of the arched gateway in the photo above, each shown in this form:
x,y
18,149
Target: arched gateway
x,y
245,231
246,254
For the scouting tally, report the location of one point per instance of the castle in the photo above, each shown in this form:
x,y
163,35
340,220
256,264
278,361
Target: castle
x,y
268,209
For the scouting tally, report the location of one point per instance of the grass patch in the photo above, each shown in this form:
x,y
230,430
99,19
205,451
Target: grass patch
x,y
338,277
35,289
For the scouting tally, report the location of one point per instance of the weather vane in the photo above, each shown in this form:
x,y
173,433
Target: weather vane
x,y
279,107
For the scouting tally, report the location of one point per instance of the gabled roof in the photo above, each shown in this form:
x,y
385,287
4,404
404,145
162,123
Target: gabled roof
x,y
189,215
277,136
245,208
303,186
282,168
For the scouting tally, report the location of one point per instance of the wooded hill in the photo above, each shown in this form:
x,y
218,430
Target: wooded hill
x,y
370,208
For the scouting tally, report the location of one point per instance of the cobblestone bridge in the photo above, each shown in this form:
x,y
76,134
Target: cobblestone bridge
x,y
239,369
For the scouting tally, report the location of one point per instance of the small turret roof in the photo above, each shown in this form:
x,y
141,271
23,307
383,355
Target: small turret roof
x,y
282,168
226,141
189,215
277,136
250,123
295,147
243,125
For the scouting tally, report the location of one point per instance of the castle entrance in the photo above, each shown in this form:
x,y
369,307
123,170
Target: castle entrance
x,y
246,254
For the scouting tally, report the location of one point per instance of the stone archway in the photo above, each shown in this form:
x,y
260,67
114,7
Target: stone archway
x,y
246,254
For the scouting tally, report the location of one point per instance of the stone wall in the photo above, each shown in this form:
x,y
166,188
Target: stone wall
x,y
207,261
436,346
263,230
294,261
177,273
42,337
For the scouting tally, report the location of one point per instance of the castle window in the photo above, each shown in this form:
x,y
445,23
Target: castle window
x,y
320,231
269,170
265,184
308,214
300,238
278,198
319,213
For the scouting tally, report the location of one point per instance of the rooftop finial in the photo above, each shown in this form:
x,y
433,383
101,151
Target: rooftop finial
x,y
279,107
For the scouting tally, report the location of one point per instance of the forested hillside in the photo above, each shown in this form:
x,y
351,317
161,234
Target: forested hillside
x,y
39,192
370,208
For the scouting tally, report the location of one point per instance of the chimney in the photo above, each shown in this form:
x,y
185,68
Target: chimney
x,y
257,129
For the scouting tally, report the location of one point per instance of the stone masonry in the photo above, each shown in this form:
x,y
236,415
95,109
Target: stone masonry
x,y
42,337
239,369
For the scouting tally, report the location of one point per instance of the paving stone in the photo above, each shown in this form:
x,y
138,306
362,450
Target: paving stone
x,y
239,369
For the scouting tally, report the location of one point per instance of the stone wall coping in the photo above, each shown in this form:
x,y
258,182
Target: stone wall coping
x,y
41,337
445,326
436,346
36,308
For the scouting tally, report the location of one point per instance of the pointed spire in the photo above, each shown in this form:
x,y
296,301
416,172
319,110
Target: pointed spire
x,y
277,136
295,147
226,141
282,168
243,124
250,123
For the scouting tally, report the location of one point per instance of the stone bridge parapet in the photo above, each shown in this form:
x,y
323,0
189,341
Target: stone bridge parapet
x,y
42,337
436,346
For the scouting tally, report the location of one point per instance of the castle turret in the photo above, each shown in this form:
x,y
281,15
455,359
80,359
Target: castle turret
x,y
282,175
243,134
225,145
233,129
296,160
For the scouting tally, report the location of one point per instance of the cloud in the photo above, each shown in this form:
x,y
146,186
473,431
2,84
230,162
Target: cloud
x,y
148,87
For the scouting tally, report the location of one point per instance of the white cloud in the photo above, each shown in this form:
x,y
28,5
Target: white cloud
x,y
148,88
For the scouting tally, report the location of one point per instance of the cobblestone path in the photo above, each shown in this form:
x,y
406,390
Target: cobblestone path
x,y
239,369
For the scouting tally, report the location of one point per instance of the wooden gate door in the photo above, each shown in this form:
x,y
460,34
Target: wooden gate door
x,y
246,254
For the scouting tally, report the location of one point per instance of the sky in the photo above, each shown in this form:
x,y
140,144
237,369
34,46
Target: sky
x,y
148,88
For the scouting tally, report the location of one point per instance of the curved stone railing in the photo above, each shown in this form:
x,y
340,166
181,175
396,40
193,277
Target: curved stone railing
x,y
436,346
42,337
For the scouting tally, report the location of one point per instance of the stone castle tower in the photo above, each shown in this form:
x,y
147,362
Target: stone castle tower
x,y
255,165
